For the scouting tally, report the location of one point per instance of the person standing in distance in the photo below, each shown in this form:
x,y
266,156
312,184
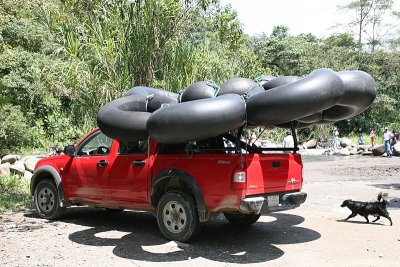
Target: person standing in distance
x,y
288,141
372,136
335,137
387,136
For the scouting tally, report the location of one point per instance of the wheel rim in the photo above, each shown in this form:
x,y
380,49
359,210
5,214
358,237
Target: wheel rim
x,y
174,217
46,200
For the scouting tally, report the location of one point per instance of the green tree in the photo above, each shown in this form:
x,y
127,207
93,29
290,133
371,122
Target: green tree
x,y
369,20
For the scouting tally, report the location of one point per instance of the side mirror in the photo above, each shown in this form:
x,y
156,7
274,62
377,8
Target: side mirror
x,y
69,150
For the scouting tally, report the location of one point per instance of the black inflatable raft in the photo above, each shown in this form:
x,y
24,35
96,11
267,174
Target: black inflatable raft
x,y
198,119
197,113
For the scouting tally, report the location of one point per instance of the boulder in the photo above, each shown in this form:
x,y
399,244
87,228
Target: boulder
x,y
344,152
363,147
310,144
27,176
18,168
367,153
345,142
353,151
378,150
328,152
396,149
30,163
10,159
5,169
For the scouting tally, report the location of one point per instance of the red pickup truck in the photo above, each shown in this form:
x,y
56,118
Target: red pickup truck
x,y
183,185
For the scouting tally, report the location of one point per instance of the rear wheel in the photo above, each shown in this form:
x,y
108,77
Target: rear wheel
x,y
241,218
177,216
46,200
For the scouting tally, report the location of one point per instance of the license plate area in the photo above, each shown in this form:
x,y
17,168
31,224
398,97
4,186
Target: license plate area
x,y
273,200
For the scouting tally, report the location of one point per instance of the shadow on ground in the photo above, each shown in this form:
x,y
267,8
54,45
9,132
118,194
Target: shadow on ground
x,y
217,241
363,221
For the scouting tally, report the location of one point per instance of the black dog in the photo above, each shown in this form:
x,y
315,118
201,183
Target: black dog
x,y
364,209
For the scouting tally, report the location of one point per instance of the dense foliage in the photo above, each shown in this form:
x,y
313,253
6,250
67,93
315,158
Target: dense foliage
x,y
60,61
14,193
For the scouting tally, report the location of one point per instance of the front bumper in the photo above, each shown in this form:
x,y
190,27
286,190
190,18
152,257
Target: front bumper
x,y
260,205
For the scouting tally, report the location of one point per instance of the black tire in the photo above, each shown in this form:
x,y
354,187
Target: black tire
x,y
177,216
47,201
241,219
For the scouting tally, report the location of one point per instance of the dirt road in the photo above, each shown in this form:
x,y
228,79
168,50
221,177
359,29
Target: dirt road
x,y
312,235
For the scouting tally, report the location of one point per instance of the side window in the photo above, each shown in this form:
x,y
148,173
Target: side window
x,y
98,145
138,147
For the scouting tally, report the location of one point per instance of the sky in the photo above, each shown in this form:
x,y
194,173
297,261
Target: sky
x,y
318,17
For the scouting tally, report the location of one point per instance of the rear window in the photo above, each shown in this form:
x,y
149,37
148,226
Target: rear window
x,y
137,147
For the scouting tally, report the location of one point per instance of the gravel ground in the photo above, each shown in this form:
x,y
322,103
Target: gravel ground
x,y
312,235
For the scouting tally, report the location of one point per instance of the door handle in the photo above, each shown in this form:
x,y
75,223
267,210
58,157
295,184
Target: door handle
x,y
102,163
138,162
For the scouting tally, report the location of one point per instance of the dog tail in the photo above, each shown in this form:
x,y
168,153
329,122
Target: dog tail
x,y
383,197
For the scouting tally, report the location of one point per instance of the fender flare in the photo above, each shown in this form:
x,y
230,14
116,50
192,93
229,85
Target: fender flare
x,y
56,178
190,181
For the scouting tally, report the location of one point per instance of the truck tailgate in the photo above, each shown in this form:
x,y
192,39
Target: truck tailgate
x,y
269,173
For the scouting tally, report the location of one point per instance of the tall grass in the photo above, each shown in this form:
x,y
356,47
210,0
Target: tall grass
x,y
14,193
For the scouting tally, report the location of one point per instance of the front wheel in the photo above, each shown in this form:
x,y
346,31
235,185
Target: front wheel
x,y
241,218
46,200
177,217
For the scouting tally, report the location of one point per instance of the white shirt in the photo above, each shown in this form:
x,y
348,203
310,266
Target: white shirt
x,y
387,136
288,141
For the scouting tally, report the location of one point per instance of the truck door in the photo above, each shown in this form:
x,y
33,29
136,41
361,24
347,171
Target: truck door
x,y
87,174
129,173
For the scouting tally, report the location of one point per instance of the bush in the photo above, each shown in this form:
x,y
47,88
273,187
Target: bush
x,y
14,193
14,128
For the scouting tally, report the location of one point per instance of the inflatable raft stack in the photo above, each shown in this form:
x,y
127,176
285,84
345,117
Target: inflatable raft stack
x,y
204,110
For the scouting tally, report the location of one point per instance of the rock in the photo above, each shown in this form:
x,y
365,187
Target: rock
x,y
10,159
345,142
328,152
363,147
378,150
310,144
366,153
27,176
396,149
5,169
353,151
18,168
30,163
344,152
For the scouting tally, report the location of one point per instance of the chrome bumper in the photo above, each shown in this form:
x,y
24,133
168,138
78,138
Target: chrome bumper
x,y
259,204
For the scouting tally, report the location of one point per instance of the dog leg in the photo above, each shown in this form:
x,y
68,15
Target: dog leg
x,y
377,218
351,216
387,217
366,217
